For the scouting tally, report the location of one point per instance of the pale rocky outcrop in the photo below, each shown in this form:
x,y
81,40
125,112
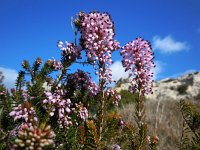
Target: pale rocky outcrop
x,y
184,87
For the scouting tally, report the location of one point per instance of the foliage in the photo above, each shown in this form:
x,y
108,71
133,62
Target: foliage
x,y
191,124
127,97
182,89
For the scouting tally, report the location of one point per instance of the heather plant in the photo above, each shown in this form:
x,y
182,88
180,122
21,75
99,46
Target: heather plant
x,y
127,97
191,126
137,57
53,108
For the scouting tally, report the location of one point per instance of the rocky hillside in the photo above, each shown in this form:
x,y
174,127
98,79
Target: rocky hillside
x,y
183,87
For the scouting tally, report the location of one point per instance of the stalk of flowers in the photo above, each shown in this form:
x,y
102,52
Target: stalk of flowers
x,y
97,37
81,80
56,105
34,137
70,51
138,59
24,112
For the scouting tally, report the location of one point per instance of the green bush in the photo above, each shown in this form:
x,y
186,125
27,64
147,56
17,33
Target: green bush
x,y
127,97
182,89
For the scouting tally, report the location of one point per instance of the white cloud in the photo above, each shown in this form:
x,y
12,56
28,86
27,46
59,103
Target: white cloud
x,y
10,75
169,45
118,71
157,70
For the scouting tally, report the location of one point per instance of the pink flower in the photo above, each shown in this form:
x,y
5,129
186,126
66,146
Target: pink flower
x,y
116,147
25,112
83,113
56,65
70,51
55,104
138,59
114,96
81,80
97,36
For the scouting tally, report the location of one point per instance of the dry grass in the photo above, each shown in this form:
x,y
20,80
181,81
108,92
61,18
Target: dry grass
x,y
163,118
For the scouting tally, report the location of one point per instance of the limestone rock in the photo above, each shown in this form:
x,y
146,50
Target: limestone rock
x,y
184,87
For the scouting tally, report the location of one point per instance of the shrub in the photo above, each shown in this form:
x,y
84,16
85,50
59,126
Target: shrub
x,y
182,89
191,125
127,97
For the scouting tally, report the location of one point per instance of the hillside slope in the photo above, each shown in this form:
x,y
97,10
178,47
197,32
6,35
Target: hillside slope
x,y
184,87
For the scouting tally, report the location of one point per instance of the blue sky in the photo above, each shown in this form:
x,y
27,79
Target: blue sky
x,y
31,28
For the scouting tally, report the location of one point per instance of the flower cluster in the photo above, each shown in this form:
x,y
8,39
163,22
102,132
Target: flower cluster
x,y
70,51
24,112
81,80
121,123
116,147
114,95
34,137
138,59
55,104
97,32
153,140
97,35
56,65
82,111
